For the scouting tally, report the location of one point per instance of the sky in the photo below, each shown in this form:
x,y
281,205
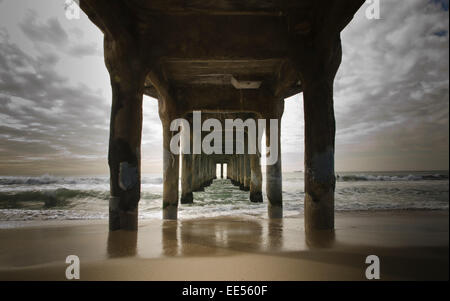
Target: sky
x,y
391,94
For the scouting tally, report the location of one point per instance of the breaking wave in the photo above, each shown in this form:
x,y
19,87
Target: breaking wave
x,y
46,198
409,177
67,198
49,179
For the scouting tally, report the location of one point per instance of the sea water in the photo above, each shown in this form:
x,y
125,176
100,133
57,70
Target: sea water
x,y
80,198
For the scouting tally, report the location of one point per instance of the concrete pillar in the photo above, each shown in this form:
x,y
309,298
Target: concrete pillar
x,y
255,179
195,172
247,174
170,175
232,169
124,160
167,109
241,172
186,179
236,170
273,171
221,170
201,172
319,155
317,82
187,170
208,171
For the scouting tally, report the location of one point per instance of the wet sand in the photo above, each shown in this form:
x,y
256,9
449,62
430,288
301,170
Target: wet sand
x,y
411,245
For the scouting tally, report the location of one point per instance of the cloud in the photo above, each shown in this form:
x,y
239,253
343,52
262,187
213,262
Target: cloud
x,y
391,93
43,113
49,32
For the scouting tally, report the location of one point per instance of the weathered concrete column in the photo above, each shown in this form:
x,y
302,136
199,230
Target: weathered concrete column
x,y
255,173
170,174
186,179
236,169
255,179
273,171
233,169
168,112
247,176
208,171
200,173
241,172
317,71
194,172
127,82
212,170
221,170
186,172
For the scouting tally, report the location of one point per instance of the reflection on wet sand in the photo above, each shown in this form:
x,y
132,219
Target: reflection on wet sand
x,y
222,236
234,248
208,237
122,243
320,239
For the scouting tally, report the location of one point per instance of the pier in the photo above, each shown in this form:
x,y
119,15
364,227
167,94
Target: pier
x,y
225,58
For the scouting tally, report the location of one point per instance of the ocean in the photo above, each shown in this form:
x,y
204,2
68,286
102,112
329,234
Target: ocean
x,y
82,198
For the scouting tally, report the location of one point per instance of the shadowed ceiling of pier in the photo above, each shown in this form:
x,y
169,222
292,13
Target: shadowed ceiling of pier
x,y
228,43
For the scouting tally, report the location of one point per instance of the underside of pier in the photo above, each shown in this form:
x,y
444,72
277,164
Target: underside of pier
x,y
238,58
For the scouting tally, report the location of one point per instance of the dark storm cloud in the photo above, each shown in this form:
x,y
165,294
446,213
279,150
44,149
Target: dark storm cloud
x,y
48,32
391,93
52,33
42,113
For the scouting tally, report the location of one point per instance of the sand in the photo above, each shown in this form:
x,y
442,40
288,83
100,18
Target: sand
x,y
411,245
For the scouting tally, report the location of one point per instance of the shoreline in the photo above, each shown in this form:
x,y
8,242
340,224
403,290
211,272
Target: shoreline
x,y
412,245
20,224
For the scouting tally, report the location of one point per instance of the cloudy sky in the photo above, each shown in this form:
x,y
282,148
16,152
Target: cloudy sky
x,y
391,93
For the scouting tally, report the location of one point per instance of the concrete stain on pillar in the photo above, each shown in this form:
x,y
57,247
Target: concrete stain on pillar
x,y
322,167
128,176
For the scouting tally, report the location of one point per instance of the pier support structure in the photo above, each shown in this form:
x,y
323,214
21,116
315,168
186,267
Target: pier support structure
x,y
187,170
261,53
274,171
127,82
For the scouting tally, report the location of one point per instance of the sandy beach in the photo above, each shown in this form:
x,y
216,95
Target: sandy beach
x,y
411,245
